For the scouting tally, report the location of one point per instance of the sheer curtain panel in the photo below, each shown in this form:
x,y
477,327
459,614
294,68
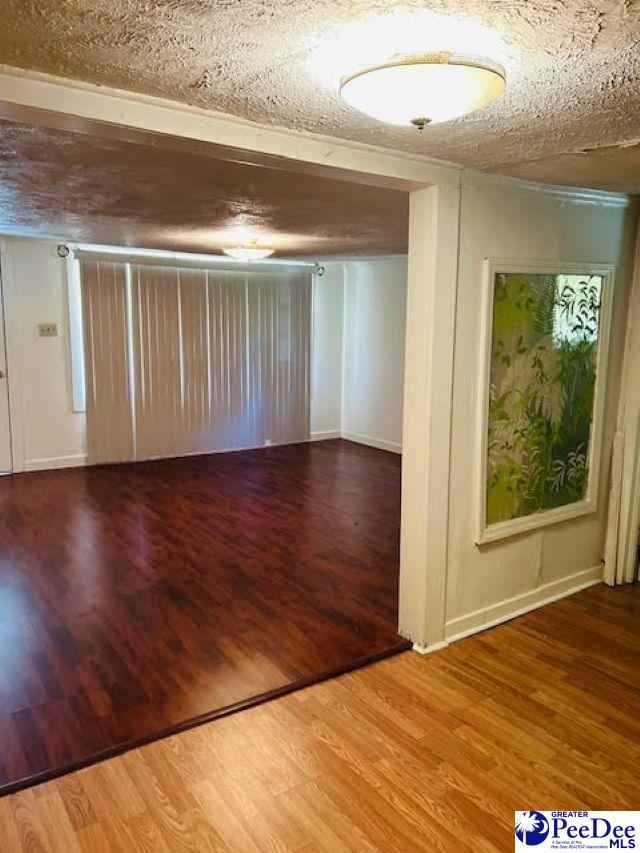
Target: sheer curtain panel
x,y
211,359
105,315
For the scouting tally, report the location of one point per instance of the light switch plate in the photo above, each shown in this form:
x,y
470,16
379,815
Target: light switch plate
x,y
48,330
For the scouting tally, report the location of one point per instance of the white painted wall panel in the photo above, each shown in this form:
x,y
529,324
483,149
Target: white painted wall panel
x,y
326,352
520,223
47,433
373,361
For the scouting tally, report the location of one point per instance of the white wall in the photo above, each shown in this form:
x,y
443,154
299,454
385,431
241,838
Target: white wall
x,y
357,377
357,349
505,221
45,430
326,354
375,293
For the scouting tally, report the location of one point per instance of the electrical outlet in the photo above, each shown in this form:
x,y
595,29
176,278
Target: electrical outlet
x,y
48,330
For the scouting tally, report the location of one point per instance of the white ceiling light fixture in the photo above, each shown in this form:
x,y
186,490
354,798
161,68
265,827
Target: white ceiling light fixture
x,y
425,88
248,252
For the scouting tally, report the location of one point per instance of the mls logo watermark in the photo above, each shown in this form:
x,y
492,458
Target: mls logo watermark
x,y
532,828
565,830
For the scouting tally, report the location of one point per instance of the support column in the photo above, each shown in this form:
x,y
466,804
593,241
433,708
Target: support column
x,y
431,300
624,527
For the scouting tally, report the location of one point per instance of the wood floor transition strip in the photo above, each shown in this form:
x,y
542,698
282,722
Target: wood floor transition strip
x,y
201,719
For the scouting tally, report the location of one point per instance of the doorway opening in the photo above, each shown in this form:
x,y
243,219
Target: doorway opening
x,y
6,462
217,522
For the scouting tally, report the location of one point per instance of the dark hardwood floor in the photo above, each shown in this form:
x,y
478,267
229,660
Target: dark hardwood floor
x,y
134,598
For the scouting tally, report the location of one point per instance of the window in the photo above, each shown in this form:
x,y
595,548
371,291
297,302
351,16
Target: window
x,y
76,342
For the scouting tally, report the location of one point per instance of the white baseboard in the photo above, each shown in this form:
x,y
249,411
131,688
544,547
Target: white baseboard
x,y
434,647
74,461
472,623
78,459
380,443
322,434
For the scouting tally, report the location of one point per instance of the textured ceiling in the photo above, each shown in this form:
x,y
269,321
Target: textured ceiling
x,y
88,188
610,167
573,68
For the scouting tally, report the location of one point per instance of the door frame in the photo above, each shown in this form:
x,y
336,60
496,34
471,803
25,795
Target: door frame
x,y
434,207
432,281
632,537
12,350
7,379
624,527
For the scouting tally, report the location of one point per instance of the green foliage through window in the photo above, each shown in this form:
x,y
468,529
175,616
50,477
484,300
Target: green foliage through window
x,y
543,370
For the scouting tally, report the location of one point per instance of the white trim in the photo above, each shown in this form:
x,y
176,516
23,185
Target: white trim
x,y
584,195
44,98
34,96
4,386
434,647
629,562
53,462
355,259
323,434
509,608
13,354
370,441
613,508
529,523
79,459
432,286
501,530
623,526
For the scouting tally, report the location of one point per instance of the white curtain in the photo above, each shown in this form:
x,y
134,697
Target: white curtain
x,y
213,360
105,319
279,323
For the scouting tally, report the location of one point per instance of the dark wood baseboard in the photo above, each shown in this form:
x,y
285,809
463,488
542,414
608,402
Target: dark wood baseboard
x,y
217,714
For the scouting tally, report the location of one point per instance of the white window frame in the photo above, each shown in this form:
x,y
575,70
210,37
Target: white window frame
x,y
76,334
487,533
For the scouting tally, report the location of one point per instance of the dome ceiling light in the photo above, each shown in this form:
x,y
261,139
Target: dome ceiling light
x,y
424,89
248,252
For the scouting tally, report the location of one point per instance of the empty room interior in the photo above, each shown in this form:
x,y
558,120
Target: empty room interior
x,y
319,426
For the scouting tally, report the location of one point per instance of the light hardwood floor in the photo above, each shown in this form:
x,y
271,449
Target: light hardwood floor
x,y
413,753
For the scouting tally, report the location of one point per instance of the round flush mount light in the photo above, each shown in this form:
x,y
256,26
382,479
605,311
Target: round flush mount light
x,y
248,252
424,89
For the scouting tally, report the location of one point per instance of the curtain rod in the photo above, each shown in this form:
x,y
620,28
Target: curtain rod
x,y
157,255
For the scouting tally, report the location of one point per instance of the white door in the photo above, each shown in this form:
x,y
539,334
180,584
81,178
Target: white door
x,y
5,434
